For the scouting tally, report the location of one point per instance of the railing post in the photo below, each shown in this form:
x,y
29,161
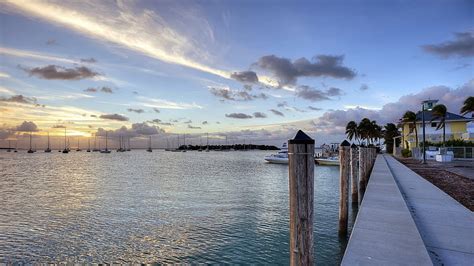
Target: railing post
x,y
354,168
362,169
301,182
344,176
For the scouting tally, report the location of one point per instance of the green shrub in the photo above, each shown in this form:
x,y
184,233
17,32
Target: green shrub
x,y
449,143
406,153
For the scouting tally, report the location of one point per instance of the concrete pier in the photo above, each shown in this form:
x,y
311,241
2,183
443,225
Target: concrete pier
x,y
406,220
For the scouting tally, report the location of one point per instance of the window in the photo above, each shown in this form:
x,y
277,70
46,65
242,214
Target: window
x,y
433,124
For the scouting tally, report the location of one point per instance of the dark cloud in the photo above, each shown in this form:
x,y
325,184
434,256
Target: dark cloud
x,y
187,122
156,110
193,127
145,129
137,129
276,112
93,90
461,46
245,76
88,60
27,126
51,42
135,92
58,126
114,117
259,115
106,90
159,122
364,87
315,95
61,73
287,72
5,134
238,116
19,99
93,116
314,108
235,95
205,122
138,111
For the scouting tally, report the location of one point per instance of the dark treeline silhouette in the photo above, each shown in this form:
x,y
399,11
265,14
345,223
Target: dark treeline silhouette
x,y
229,147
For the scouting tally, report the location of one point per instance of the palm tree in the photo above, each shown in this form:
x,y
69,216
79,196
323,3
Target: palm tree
x,y
410,117
351,131
390,131
439,112
364,129
468,106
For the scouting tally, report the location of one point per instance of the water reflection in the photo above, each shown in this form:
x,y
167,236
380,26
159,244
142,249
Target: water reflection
x,y
156,207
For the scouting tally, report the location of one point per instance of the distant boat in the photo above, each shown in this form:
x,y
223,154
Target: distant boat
x,y
66,150
327,161
279,158
149,145
48,149
106,149
9,149
207,146
184,143
78,148
89,146
30,150
129,148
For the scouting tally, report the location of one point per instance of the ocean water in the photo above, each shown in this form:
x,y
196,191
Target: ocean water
x,y
163,207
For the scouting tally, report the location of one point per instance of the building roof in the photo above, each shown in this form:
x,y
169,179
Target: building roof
x,y
449,117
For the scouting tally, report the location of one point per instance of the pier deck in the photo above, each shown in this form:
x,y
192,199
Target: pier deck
x,y
446,226
384,231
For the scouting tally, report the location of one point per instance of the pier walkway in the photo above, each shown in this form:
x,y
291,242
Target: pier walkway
x,y
384,232
406,220
446,226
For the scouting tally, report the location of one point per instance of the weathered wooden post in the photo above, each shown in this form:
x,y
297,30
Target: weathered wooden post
x,y
362,171
301,181
354,177
344,176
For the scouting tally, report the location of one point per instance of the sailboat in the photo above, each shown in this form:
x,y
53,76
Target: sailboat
x,y
95,144
78,148
106,149
149,145
129,149
30,150
66,150
89,146
48,149
184,141
120,149
9,149
200,144
207,146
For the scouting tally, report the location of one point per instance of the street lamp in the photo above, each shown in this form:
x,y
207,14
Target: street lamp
x,y
428,106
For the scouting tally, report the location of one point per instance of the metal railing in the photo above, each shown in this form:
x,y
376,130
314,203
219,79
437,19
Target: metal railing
x,y
462,152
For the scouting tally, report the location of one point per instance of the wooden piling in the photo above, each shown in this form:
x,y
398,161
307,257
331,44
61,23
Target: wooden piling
x,y
362,173
344,177
354,176
301,183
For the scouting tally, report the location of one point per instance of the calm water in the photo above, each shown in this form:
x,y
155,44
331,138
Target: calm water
x,y
228,207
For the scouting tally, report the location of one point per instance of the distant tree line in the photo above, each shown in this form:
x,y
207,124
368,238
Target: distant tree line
x,y
229,147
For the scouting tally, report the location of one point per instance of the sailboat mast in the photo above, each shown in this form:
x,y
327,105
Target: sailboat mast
x,y
64,138
105,140
30,140
48,140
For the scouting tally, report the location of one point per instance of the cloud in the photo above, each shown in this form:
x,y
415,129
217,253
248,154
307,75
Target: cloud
x,y
235,95
315,95
51,42
166,104
106,90
19,99
238,116
159,122
27,126
193,127
145,129
259,115
156,110
245,76
114,117
205,122
137,129
93,90
314,108
364,87
276,112
334,121
88,60
61,73
138,111
58,126
288,72
5,134
461,46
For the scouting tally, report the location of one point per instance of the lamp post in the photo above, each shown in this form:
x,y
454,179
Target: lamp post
x,y
428,106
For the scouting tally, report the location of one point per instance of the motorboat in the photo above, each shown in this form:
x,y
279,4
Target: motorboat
x,y
327,161
281,157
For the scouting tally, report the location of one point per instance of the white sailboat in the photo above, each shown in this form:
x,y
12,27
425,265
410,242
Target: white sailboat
x,y
66,150
149,146
207,146
48,149
106,148
31,149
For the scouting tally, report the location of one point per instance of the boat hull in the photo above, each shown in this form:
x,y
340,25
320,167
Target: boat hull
x,y
327,162
277,160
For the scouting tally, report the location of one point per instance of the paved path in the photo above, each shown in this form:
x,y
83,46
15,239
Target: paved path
x,y
384,232
446,227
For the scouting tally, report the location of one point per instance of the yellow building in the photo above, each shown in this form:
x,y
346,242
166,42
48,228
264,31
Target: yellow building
x,y
457,127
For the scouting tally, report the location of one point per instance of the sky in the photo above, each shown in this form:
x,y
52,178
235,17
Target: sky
x,y
254,71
